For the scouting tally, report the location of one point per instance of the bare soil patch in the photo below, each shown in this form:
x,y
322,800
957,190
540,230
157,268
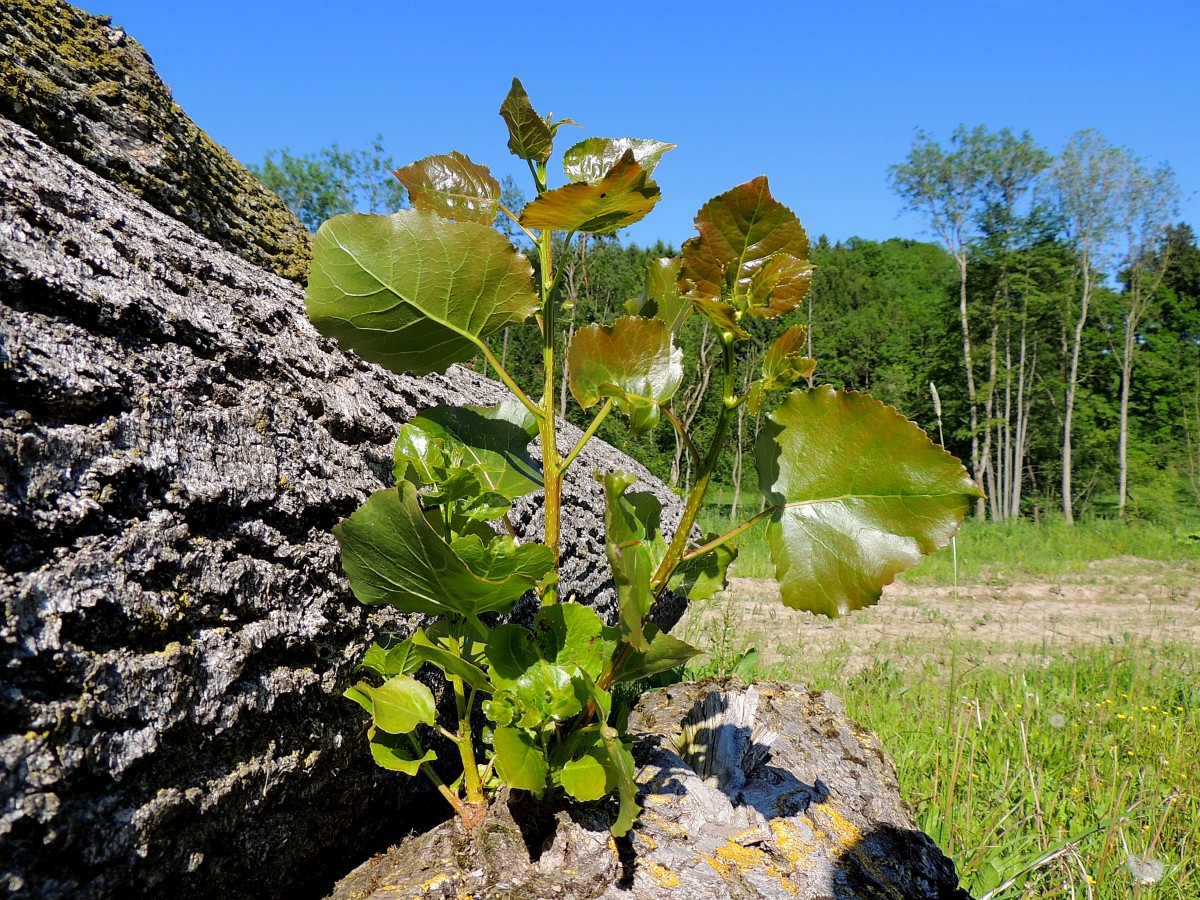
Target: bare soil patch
x,y
1122,601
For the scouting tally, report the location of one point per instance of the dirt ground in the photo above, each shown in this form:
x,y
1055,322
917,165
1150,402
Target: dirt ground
x,y
1122,601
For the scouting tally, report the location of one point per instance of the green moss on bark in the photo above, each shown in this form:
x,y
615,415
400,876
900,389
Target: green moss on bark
x,y
86,88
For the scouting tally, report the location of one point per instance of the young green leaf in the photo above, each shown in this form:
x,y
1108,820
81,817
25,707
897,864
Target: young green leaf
x,y
661,299
394,752
784,365
634,361
751,252
396,658
632,555
452,186
584,779
860,492
666,652
398,706
623,197
413,291
592,158
569,634
393,555
519,761
704,576
431,651
529,137
491,441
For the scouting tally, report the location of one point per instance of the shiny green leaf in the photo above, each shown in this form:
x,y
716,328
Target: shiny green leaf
x,y
501,558
619,767
623,197
529,137
569,634
632,556
450,662
491,441
393,555
666,652
634,361
592,158
705,576
398,706
519,762
413,291
751,252
860,493
584,779
784,365
511,651
661,300
395,752
392,658
452,186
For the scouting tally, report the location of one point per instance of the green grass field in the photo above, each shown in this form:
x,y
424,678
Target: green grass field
x,y
1067,773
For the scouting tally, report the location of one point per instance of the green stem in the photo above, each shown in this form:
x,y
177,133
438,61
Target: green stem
x,y
695,500
433,776
516,221
589,434
674,554
509,383
551,461
728,536
466,748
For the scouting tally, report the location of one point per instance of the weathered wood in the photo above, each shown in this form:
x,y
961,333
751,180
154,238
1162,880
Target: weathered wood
x,y
799,802
176,442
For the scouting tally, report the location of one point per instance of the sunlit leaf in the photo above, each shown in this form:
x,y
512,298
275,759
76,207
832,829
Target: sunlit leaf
x,y
623,197
415,292
584,779
451,663
529,137
665,652
394,752
492,441
632,556
452,186
519,761
570,634
396,658
784,365
511,650
619,767
705,576
393,555
661,299
398,706
861,493
634,360
592,158
751,252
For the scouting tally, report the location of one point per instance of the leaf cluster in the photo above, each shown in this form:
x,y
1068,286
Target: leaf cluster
x,y
856,493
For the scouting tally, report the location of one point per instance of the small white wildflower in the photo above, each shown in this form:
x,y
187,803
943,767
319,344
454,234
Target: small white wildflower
x,y
1145,869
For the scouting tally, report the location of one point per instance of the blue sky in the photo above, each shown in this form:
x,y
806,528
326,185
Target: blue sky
x,y
821,97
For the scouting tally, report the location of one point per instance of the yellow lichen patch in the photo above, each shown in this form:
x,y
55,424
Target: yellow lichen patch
x,y
645,840
835,826
437,881
790,844
661,874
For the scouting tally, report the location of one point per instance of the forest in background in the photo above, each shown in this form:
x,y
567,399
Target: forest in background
x,y
1055,323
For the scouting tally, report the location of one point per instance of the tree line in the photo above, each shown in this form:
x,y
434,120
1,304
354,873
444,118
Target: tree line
x,y
1049,336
